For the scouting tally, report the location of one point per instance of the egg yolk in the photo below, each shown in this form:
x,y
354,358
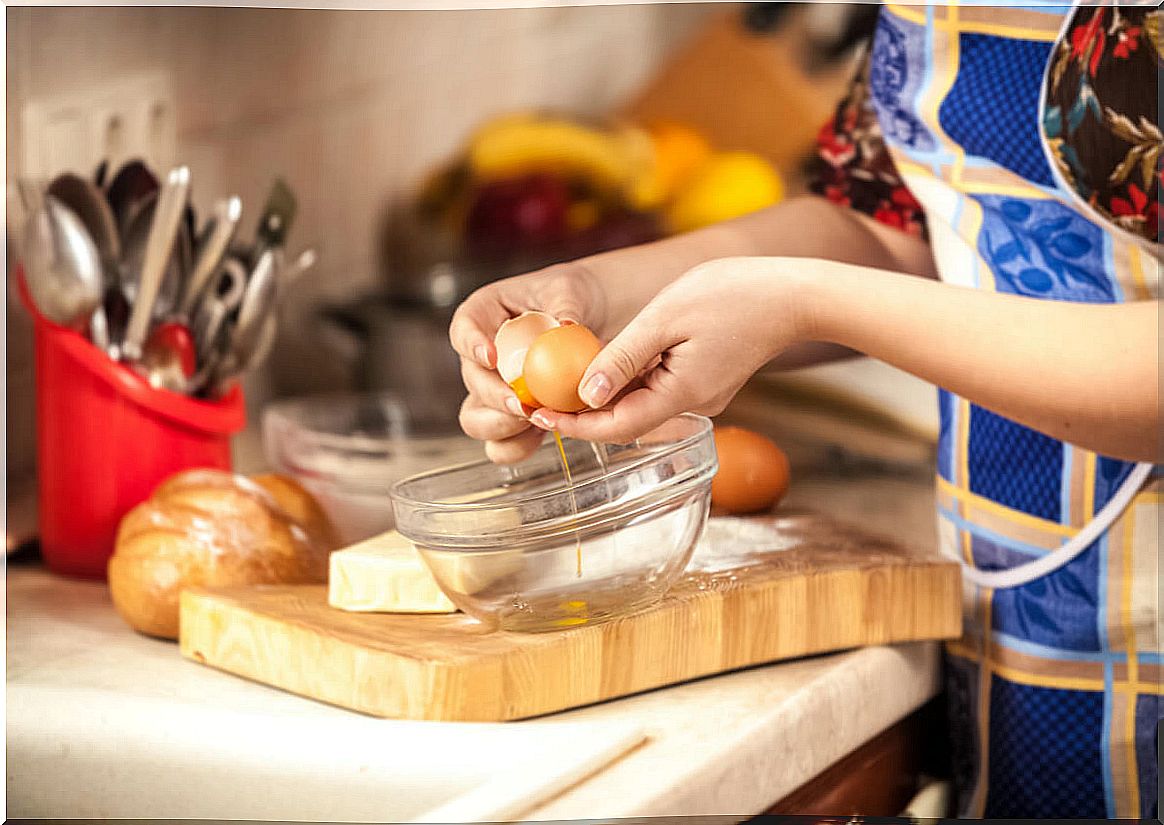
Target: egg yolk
x,y
522,392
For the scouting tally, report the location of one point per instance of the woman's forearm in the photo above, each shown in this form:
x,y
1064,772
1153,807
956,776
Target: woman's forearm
x,y
804,226
1087,374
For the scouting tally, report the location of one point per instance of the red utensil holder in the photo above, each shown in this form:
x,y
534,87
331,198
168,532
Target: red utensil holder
x,y
105,439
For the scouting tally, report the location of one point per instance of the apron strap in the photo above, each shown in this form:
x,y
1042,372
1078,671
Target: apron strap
x,y
1025,573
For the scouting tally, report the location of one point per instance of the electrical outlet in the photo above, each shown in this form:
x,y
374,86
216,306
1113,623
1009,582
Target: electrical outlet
x,y
132,117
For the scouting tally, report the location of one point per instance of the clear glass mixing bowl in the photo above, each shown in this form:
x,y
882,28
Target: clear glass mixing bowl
x,y
517,548
349,450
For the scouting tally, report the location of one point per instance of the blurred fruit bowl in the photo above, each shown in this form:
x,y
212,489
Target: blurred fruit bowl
x,y
560,187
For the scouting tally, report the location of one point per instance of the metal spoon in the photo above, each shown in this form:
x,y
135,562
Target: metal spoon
x,y
222,226
133,182
62,265
136,242
257,328
245,360
246,354
257,303
262,348
164,231
87,202
116,308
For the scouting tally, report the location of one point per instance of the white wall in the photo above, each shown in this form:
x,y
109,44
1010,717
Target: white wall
x,y
352,107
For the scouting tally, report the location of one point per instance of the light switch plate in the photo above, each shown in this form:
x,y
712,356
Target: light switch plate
x,y
131,117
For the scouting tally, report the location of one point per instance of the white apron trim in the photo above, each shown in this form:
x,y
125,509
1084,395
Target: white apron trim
x,y
1065,553
1026,573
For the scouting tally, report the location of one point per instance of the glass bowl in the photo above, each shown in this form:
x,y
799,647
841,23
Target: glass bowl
x,y
518,548
348,450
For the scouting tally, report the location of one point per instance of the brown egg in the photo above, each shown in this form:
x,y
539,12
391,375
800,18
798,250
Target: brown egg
x,y
753,472
555,363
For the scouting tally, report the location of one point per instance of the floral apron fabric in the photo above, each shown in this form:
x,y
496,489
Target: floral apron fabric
x,y
1023,143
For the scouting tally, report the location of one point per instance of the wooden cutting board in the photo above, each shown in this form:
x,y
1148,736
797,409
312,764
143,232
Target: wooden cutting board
x,y
757,591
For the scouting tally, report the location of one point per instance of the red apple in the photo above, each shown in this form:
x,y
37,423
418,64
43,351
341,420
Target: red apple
x,y
613,231
518,214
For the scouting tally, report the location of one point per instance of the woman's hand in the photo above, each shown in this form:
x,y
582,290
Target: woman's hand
x,y
689,350
607,291
491,412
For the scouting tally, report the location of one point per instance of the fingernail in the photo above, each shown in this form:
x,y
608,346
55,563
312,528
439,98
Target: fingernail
x,y
596,390
539,420
514,406
482,353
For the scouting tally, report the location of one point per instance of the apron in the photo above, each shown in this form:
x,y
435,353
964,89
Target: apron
x,y
1054,689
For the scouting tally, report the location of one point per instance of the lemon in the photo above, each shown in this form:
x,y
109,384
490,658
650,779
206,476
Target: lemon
x,y
728,185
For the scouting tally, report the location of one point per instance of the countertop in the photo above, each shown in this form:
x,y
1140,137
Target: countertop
x,y
87,696
98,714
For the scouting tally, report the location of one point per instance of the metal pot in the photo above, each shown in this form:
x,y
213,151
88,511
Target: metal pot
x,y
397,340
399,345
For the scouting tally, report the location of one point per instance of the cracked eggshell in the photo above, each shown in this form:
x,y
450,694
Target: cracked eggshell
x,y
513,340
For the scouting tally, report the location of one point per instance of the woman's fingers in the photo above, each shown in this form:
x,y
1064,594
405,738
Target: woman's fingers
x,y
554,291
565,306
488,424
515,449
557,290
630,353
489,389
473,326
492,413
646,406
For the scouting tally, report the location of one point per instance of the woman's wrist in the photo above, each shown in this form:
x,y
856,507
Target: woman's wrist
x,y
782,292
837,302
814,282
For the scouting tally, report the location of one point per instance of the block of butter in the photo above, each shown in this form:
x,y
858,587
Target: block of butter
x,y
384,575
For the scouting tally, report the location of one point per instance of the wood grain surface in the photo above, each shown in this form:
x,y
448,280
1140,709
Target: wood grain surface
x,y
819,587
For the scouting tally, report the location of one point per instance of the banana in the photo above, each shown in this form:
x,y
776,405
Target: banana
x,y
517,144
